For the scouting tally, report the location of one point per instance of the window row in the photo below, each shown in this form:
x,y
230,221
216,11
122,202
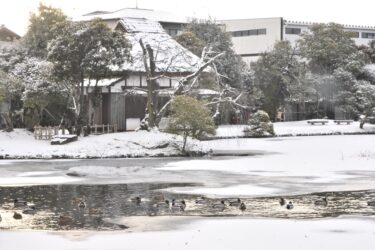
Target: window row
x,y
354,34
293,31
255,32
368,35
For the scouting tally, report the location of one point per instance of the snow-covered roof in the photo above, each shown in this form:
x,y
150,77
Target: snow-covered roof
x,y
101,83
5,32
136,25
170,56
159,16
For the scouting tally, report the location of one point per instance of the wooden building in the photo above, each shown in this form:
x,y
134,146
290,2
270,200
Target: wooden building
x,y
7,35
122,100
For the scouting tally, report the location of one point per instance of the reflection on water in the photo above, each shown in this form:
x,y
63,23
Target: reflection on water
x,y
58,206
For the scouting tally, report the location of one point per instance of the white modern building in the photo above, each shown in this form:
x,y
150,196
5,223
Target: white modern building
x,y
251,37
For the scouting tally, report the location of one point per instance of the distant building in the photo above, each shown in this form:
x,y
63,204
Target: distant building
x,y
6,35
124,96
251,37
172,24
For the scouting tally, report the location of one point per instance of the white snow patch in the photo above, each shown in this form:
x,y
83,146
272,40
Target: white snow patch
x,y
21,143
99,171
37,173
31,181
298,128
230,191
212,233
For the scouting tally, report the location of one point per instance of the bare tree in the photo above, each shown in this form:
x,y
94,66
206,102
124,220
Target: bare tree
x,y
184,85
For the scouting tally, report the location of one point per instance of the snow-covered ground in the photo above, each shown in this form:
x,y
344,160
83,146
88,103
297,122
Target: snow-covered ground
x,y
218,234
299,128
289,165
279,166
21,144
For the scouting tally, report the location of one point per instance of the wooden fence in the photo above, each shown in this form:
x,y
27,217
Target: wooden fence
x,y
102,129
45,133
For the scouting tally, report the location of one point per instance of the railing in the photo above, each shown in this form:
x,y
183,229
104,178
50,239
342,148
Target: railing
x,y
102,129
46,133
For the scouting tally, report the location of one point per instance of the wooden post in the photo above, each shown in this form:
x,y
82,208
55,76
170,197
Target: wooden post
x,y
107,128
115,128
96,129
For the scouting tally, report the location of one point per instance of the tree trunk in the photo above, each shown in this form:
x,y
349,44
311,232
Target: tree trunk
x,y
185,136
152,84
7,117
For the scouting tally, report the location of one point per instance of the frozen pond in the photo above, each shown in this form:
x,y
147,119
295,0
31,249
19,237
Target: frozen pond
x,y
59,207
300,169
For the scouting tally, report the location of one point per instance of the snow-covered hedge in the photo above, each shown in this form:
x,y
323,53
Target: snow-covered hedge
x,y
259,125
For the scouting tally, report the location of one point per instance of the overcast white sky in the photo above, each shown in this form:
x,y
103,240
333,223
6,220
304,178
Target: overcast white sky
x,y
14,13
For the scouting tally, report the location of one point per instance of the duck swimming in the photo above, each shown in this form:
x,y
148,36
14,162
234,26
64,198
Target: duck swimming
x,y
81,204
242,207
136,200
282,201
371,203
17,216
235,203
180,206
19,202
220,205
290,205
323,202
201,200
164,204
29,210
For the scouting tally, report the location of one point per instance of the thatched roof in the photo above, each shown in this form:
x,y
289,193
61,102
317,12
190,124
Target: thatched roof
x,y
170,56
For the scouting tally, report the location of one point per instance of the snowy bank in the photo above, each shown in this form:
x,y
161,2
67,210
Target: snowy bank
x,y
298,128
21,144
211,233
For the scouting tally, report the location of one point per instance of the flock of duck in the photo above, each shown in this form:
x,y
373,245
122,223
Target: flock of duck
x,y
173,205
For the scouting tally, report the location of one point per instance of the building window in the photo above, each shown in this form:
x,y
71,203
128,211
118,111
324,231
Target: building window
x,y
173,32
354,34
254,32
293,31
368,35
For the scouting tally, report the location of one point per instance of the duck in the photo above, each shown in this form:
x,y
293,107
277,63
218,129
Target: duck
x,y
81,204
19,202
282,201
242,207
220,205
371,203
201,200
136,200
322,202
17,216
180,206
290,205
29,210
63,220
164,204
235,203
94,211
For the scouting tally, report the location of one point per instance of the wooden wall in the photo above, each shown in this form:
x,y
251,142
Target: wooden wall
x,y
117,110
